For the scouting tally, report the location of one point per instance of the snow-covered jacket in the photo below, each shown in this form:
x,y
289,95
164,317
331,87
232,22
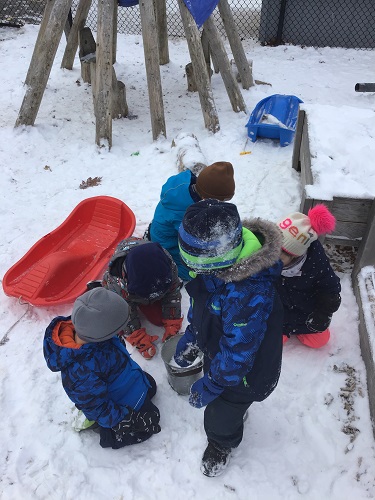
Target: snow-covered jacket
x,y
115,279
100,378
236,317
174,199
309,291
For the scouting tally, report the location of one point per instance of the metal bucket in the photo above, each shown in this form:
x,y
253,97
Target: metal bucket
x,y
180,379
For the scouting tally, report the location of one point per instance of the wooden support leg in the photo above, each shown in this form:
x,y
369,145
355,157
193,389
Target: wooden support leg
x,y
217,48
42,30
211,119
119,104
78,24
151,50
242,63
114,36
42,60
162,29
103,97
87,53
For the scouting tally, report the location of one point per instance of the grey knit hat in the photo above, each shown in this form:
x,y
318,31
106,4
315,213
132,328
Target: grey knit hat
x,y
99,315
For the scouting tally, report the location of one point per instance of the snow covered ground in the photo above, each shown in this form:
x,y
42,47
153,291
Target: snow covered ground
x,y
312,438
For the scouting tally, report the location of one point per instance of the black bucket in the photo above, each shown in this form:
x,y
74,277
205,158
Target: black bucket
x,y
180,379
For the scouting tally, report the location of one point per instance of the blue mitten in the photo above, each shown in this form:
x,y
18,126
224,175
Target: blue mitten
x,y
186,350
203,391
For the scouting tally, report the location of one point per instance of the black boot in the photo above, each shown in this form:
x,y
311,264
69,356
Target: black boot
x,y
214,460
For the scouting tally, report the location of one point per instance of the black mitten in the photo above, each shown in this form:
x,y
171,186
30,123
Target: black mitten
x,y
138,421
318,321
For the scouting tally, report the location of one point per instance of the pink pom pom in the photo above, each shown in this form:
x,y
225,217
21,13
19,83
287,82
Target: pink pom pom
x,y
322,221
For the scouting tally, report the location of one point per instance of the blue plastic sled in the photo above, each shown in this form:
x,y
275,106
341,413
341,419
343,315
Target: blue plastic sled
x,y
274,117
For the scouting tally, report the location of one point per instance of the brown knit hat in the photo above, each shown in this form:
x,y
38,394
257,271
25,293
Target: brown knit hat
x,y
216,181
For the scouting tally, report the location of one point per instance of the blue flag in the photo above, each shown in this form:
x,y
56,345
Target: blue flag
x,y
201,9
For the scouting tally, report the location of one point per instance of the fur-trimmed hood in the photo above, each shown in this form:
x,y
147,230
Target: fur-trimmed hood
x,y
271,239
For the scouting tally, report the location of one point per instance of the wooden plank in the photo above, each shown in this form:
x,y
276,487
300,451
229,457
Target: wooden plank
x,y
162,29
305,156
296,163
366,252
151,51
350,230
79,22
217,48
103,97
114,32
351,209
366,351
210,116
42,60
238,52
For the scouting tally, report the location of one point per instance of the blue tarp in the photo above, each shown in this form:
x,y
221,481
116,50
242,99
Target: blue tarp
x,y
201,9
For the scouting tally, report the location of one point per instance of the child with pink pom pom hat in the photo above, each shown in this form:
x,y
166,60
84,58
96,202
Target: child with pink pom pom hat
x,y
308,286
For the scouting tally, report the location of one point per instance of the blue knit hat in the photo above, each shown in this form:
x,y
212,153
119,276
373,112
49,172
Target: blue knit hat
x,y
148,270
210,235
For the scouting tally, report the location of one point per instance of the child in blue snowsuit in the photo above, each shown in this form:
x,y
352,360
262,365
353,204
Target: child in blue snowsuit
x,y
308,287
179,192
98,374
235,318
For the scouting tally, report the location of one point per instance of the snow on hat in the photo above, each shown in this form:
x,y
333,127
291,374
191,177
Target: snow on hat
x,y
300,230
148,270
210,235
216,181
99,315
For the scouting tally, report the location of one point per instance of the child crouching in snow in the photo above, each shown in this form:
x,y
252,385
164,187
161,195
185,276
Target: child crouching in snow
x,y
308,286
97,372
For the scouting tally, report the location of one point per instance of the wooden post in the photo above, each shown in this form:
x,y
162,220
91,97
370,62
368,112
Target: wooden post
x,y
210,116
119,104
236,45
217,48
151,50
87,53
42,30
103,97
42,60
162,28
114,39
72,43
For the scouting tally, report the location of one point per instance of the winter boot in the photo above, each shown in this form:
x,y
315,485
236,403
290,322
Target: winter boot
x,y
215,460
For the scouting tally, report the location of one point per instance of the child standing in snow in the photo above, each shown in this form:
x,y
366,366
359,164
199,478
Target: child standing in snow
x,y
97,372
235,319
308,286
179,192
144,274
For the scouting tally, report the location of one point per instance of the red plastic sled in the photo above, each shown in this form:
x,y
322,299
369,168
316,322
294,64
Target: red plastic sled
x,y
56,269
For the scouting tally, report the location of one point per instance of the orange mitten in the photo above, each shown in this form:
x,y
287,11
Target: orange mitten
x,y
143,342
172,327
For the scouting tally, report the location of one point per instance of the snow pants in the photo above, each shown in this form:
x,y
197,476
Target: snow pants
x,y
224,417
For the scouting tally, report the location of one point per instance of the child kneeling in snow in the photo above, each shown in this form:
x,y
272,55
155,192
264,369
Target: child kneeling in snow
x,y
97,372
308,286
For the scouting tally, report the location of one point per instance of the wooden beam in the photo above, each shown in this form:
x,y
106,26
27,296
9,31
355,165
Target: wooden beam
x,y
79,22
217,48
103,97
151,51
210,116
162,29
296,164
238,52
42,60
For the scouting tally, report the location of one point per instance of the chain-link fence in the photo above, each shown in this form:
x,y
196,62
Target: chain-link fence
x,y
333,23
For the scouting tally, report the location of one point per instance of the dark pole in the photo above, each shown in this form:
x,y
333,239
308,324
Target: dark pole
x,y
365,87
280,27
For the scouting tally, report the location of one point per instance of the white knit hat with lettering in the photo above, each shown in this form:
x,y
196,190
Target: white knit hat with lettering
x,y
300,230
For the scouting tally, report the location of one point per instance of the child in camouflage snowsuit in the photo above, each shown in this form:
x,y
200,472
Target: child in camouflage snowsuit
x,y
235,318
98,374
145,275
